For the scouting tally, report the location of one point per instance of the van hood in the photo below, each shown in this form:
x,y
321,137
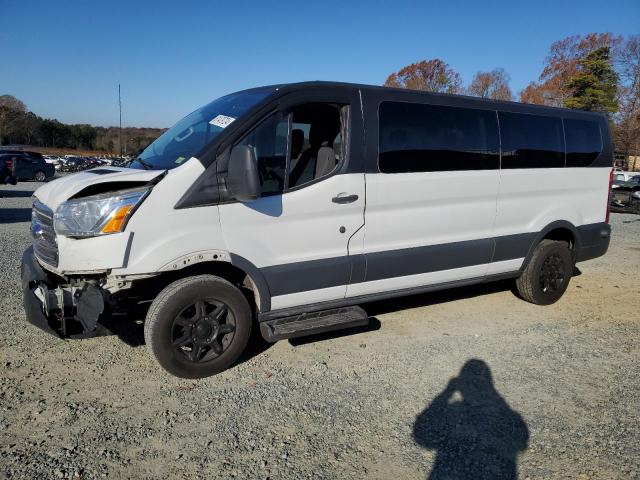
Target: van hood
x,y
52,194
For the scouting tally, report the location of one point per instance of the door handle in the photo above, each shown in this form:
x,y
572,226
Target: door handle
x,y
344,199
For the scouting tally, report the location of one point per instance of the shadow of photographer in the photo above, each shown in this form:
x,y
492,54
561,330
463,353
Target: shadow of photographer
x,y
475,434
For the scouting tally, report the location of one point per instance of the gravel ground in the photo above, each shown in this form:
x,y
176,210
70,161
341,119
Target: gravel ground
x,y
471,383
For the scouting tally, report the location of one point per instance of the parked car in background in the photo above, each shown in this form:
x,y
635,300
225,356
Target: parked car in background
x,y
620,176
625,195
28,165
54,160
72,164
634,180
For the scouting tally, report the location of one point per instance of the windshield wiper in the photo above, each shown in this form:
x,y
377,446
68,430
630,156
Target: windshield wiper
x,y
146,165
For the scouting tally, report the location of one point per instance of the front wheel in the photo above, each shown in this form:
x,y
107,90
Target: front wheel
x,y
546,277
198,326
39,176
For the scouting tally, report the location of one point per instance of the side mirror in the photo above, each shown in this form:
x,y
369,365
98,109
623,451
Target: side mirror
x,y
243,180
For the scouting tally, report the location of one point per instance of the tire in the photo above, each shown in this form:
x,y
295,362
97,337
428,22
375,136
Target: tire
x,y
179,335
39,176
547,276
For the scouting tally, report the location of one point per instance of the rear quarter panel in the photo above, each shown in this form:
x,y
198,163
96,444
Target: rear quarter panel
x,y
531,199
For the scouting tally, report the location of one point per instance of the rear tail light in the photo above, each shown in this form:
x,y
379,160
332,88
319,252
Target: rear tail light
x,y
609,196
9,164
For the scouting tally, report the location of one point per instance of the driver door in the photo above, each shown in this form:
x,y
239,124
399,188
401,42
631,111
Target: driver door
x,y
298,234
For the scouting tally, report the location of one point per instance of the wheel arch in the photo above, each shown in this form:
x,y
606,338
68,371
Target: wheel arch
x,y
239,272
559,230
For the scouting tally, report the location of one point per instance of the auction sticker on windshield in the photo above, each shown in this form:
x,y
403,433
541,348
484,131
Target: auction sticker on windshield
x,y
222,121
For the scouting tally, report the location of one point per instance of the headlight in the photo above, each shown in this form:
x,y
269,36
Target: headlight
x,y
636,194
98,214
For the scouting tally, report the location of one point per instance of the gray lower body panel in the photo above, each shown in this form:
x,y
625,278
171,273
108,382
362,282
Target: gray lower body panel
x,y
590,241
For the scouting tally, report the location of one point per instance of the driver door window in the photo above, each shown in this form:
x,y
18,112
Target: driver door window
x,y
299,148
316,145
269,144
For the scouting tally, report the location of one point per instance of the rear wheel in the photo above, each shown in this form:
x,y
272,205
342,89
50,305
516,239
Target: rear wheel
x,y
198,326
546,277
39,176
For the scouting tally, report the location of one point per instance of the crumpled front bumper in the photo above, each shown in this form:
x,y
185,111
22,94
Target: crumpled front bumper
x,y
51,308
32,276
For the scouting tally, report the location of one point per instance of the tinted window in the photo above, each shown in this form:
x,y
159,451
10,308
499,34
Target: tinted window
x,y
584,142
430,138
531,141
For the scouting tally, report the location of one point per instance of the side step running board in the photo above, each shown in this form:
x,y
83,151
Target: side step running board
x,y
313,323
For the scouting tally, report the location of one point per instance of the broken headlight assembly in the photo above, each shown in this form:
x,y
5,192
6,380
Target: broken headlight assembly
x,y
98,214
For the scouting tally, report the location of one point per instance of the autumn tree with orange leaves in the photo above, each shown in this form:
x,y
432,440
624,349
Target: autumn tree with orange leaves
x,y
557,82
561,66
437,76
429,75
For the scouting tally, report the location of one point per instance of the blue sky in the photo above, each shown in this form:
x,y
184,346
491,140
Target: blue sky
x,y
64,59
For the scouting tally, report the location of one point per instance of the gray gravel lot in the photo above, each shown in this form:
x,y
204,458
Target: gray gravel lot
x,y
563,401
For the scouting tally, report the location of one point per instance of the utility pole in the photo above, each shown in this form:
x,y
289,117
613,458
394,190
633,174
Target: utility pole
x,y
120,131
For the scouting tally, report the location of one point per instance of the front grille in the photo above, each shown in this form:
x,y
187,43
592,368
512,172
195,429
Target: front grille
x,y
43,236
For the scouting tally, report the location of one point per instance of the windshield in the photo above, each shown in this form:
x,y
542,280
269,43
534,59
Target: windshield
x,y
193,132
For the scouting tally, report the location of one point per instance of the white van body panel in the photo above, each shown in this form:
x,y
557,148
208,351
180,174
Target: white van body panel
x,y
164,235
300,225
531,199
408,210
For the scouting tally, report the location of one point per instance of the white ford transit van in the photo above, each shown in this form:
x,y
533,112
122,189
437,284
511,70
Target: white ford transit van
x,y
282,208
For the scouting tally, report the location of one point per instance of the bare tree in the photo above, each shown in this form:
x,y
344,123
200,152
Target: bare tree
x,y
12,103
10,109
627,128
493,85
430,75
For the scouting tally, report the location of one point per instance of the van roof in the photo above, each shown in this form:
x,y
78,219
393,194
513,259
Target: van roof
x,y
448,97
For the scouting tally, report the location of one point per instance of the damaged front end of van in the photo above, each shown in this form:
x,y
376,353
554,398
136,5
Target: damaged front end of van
x,y
84,216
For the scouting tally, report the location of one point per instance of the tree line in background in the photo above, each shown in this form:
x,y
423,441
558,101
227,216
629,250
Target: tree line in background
x,y
595,72
18,126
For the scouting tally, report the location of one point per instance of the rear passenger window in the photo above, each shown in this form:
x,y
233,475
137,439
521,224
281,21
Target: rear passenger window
x,y
584,142
432,138
531,141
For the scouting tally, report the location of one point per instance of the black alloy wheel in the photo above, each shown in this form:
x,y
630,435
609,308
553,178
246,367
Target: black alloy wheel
x,y
547,274
552,274
203,331
198,326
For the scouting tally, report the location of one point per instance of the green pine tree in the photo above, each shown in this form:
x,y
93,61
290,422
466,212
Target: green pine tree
x,y
595,84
